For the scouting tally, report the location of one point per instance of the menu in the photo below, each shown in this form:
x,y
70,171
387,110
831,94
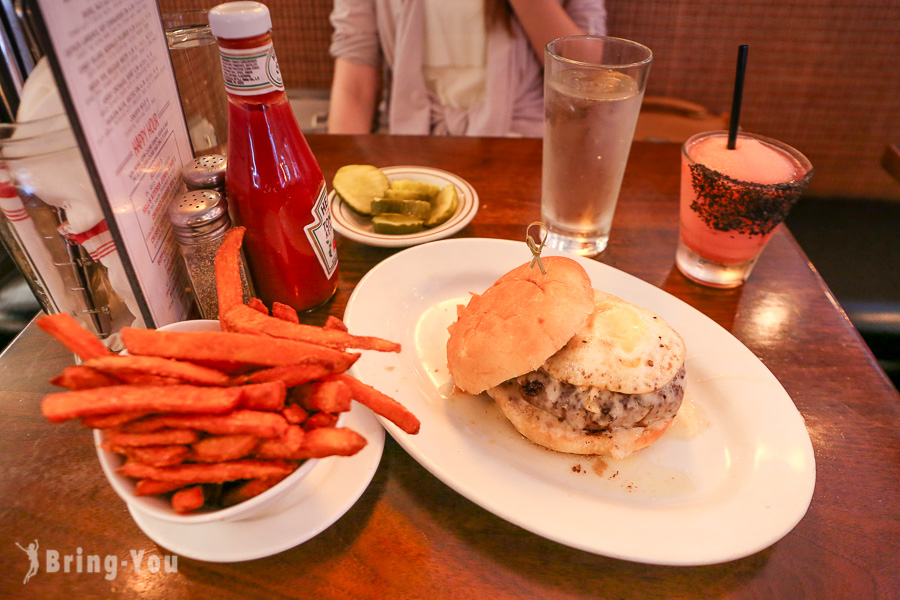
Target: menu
x,y
111,63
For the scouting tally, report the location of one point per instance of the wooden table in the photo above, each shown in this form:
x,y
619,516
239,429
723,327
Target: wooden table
x,y
409,535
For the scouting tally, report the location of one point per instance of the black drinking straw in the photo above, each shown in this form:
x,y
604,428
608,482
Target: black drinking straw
x,y
738,94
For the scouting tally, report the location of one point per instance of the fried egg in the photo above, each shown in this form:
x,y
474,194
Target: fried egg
x,y
622,348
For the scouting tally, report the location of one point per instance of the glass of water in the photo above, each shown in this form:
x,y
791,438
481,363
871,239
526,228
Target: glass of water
x,y
593,88
198,72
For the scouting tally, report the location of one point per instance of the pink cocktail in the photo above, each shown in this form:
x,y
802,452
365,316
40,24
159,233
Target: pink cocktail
x,y
732,201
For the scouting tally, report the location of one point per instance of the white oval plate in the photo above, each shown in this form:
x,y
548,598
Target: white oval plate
x,y
733,475
357,228
311,506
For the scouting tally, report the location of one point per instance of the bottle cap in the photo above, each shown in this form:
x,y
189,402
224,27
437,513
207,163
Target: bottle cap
x,y
236,20
197,215
204,172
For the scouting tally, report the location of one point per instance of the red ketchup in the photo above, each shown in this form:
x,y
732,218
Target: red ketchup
x,y
273,183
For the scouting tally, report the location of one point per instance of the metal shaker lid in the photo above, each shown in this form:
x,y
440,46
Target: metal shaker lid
x,y
204,172
198,214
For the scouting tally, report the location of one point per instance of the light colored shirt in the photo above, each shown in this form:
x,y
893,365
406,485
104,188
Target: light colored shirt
x,y
369,31
454,63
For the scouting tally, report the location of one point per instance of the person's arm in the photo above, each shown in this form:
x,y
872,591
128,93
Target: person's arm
x,y
543,21
353,91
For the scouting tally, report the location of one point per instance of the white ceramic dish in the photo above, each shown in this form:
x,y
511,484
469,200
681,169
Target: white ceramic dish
x,y
159,507
733,475
307,509
357,228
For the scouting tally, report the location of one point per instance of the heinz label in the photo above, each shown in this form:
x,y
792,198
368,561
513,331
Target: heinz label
x,y
320,234
251,71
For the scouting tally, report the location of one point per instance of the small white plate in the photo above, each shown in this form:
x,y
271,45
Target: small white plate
x,y
357,228
320,499
734,473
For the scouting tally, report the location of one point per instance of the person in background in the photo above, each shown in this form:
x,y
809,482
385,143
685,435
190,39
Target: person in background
x,y
466,67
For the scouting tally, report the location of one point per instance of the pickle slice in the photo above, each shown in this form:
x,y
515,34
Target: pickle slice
x,y
445,204
405,185
419,209
401,194
394,224
358,185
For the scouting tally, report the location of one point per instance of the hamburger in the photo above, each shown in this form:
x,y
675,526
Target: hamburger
x,y
572,368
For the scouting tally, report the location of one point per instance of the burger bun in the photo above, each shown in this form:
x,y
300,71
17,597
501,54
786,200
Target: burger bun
x,y
544,429
518,323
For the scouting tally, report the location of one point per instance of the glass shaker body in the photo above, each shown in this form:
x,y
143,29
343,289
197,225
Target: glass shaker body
x,y
199,220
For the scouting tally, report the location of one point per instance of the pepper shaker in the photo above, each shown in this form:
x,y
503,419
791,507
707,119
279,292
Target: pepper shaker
x,y
199,221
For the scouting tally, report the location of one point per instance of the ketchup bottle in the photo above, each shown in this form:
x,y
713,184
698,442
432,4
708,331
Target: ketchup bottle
x,y
273,183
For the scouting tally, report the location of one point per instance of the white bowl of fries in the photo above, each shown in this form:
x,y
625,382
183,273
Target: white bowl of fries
x,y
239,501
198,422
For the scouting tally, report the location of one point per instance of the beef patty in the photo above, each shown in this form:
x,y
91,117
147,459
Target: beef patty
x,y
594,410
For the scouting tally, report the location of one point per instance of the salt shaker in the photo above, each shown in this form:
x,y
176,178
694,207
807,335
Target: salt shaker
x,y
199,221
205,173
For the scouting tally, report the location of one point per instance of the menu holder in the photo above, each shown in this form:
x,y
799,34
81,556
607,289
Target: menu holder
x,y
111,65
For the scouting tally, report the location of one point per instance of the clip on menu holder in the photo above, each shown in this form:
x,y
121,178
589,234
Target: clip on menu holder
x,y
85,190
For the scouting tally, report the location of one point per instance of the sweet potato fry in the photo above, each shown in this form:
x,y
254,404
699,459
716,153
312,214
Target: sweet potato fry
x,y
226,346
248,489
151,487
146,379
330,441
111,420
163,367
233,369
73,335
155,438
157,456
380,404
263,396
328,396
294,414
333,322
188,474
289,375
322,419
244,319
188,499
62,406
223,448
79,377
283,446
229,292
253,422
284,312
257,305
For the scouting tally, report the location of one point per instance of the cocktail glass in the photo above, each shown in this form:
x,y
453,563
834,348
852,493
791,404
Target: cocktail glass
x,y
732,201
